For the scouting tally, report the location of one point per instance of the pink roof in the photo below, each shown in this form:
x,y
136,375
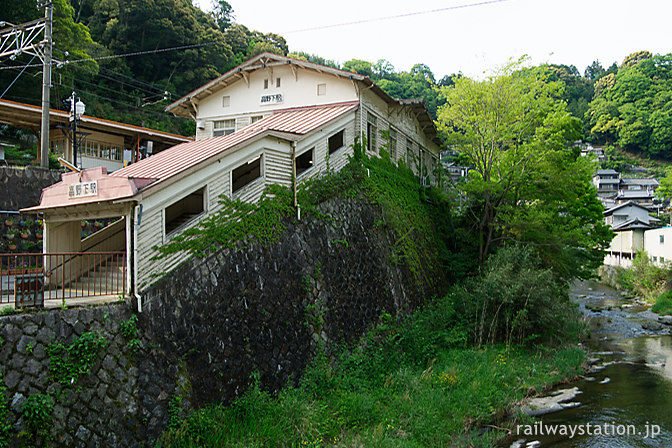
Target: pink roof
x,y
107,188
127,182
172,161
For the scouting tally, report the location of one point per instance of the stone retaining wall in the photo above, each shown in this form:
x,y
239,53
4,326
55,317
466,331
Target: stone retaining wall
x,y
208,325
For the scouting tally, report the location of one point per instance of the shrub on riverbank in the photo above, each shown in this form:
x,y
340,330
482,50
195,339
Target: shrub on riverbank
x,y
415,381
663,305
644,278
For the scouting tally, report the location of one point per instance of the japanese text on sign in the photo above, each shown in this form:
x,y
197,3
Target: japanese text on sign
x,y
83,189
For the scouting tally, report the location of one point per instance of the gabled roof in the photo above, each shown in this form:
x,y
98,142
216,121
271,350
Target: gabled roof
x,y
625,204
290,124
606,173
634,223
267,60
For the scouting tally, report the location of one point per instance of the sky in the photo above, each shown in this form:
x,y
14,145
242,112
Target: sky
x,y
473,37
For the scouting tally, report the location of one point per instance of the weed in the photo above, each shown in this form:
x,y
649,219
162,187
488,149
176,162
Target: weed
x,y
6,430
67,363
7,310
37,413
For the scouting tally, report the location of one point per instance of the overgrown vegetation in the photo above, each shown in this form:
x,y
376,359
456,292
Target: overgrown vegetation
x,y
6,429
644,278
68,362
416,213
663,305
416,381
37,413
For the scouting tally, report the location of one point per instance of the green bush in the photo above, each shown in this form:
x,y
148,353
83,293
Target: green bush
x,y
644,278
514,300
663,305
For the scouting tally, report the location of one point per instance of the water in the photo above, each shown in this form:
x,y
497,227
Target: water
x,y
636,402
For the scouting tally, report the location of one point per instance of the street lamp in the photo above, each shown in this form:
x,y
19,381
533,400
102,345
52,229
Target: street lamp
x,y
76,111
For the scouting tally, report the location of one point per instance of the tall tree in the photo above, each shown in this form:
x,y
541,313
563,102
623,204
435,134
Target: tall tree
x,y
222,12
633,108
526,183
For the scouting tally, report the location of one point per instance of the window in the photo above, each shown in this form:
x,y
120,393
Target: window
x,y
184,210
371,130
304,162
223,127
226,101
277,83
321,89
265,83
57,147
102,150
256,118
245,174
655,259
662,259
336,141
662,239
393,144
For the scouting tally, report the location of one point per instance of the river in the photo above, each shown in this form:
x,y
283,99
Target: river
x,y
630,399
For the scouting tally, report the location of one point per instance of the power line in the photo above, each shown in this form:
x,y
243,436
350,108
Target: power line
x,y
398,16
321,27
136,53
124,103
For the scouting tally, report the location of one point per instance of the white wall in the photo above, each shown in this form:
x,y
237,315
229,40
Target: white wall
x,y
299,90
657,249
216,177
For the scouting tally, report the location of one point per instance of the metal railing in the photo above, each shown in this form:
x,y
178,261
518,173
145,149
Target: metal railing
x,y
29,279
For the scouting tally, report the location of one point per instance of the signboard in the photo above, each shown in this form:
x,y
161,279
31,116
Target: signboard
x,y
29,291
83,189
275,98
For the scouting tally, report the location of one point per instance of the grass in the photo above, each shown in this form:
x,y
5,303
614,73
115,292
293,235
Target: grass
x,y
663,305
400,387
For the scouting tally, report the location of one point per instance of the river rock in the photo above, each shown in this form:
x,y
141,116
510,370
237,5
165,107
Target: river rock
x,y
553,403
665,320
605,381
652,325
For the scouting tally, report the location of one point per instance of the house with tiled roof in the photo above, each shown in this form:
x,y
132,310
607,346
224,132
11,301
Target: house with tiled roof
x,y
273,119
630,221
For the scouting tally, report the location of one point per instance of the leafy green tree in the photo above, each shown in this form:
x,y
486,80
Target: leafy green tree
x,y
222,12
359,66
526,183
633,108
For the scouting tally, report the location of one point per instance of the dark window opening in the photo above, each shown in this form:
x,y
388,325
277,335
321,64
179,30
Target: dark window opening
x,y
246,173
304,162
336,141
371,137
184,210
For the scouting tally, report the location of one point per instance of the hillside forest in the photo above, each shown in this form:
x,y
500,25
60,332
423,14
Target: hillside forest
x,y
129,60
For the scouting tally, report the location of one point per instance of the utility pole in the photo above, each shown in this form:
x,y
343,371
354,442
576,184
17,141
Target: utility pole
x,y
46,85
18,39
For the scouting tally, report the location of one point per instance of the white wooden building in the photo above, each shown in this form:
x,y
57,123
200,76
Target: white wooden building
x,y
307,126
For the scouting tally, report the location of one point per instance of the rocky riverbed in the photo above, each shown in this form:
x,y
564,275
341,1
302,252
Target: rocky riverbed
x,y
629,381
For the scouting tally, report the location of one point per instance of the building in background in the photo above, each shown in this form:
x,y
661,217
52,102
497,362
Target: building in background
x,y
103,143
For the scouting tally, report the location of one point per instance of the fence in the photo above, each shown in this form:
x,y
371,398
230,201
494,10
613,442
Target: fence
x,y
28,278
